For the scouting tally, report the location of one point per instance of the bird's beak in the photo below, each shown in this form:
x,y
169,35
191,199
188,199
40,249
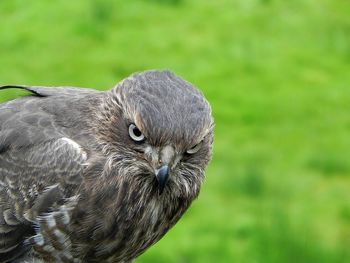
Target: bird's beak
x,y
162,175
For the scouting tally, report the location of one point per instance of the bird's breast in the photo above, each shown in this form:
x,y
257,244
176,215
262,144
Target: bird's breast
x,y
136,231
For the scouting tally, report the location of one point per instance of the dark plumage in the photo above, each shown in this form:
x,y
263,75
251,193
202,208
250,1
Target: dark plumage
x,y
88,176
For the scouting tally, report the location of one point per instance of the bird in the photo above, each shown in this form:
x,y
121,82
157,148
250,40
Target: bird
x,y
100,176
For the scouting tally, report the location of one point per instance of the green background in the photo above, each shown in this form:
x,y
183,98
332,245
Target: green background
x,y
276,73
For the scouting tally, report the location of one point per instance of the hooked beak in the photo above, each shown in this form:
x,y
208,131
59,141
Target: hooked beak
x,y
162,175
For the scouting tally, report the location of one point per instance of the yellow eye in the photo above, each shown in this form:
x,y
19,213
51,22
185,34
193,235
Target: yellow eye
x,y
194,149
135,133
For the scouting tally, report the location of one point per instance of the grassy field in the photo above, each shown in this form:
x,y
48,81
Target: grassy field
x,y
277,74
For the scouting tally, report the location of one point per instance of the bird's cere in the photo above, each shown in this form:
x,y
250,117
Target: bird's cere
x,y
167,155
90,176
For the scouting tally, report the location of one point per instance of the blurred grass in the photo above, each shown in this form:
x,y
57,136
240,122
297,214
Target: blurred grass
x,y
277,75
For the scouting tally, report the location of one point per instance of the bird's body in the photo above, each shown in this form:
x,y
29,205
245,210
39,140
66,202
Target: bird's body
x,y
88,176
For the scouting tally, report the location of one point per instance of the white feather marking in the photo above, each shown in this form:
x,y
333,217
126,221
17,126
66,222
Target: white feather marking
x,y
50,221
154,208
38,239
10,218
51,187
60,236
187,187
148,150
152,153
66,255
65,215
11,184
33,191
76,146
48,248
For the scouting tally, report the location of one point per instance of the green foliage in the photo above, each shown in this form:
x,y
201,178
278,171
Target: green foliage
x,y
277,75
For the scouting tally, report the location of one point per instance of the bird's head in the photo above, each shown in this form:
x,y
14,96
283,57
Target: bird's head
x,y
160,131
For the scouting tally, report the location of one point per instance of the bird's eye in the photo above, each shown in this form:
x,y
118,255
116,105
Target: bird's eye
x,y
194,149
135,133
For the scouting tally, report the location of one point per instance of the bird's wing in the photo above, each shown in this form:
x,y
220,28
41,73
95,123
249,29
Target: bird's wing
x,y
40,166
49,91
49,113
34,181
